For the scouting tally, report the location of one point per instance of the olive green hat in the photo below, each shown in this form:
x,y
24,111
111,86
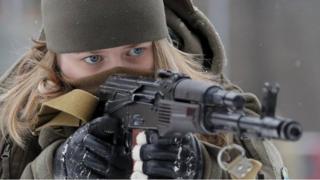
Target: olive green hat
x,y
84,25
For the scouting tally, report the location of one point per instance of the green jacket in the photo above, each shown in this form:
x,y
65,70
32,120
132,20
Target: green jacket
x,y
41,166
36,162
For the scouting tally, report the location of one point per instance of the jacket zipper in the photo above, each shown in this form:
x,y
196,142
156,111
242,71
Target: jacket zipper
x,y
6,152
5,160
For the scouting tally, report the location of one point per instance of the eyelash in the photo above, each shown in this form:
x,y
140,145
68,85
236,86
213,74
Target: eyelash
x,y
142,49
99,60
141,53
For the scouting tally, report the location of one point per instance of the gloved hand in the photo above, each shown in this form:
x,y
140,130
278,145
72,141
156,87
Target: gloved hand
x,y
92,152
167,157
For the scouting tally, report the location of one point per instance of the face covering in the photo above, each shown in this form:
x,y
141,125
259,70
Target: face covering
x,y
91,83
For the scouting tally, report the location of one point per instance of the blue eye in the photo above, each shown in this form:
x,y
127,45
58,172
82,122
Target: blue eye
x,y
136,52
94,59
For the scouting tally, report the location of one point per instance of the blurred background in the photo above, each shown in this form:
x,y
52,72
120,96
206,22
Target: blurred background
x,y
266,41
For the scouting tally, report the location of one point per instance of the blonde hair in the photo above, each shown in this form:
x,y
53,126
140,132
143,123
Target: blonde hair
x,y
34,81
168,57
38,80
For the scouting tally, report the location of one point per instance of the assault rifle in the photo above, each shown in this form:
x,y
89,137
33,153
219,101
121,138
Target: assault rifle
x,y
173,104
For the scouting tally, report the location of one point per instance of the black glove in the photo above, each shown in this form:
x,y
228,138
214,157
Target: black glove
x,y
170,157
93,152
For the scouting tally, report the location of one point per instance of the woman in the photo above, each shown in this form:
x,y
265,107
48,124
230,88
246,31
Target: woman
x,y
85,41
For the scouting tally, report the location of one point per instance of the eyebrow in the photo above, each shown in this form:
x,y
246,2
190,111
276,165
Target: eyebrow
x,y
91,52
133,45
127,46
